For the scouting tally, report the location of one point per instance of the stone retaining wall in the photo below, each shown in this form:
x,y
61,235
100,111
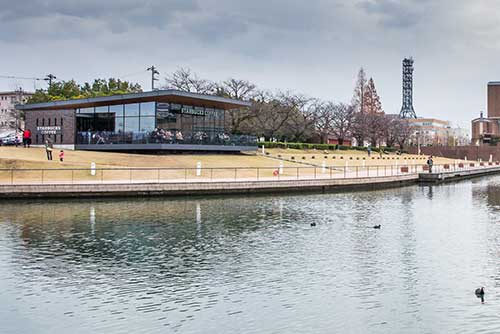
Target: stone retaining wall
x,y
201,188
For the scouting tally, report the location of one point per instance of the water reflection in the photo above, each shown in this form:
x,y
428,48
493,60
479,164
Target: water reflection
x,y
252,265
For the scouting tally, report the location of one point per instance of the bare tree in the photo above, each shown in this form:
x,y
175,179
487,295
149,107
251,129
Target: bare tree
x,y
375,126
342,120
405,131
324,120
359,128
271,114
241,90
359,92
185,80
300,125
236,89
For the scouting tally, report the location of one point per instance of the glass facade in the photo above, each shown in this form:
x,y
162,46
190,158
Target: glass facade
x,y
154,122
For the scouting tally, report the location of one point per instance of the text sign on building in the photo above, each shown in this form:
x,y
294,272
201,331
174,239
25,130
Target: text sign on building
x,y
48,130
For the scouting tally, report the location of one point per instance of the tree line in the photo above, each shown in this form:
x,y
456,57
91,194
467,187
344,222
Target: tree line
x,y
295,117
274,115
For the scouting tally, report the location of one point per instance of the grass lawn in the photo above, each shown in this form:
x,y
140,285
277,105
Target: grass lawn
x,y
20,158
354,158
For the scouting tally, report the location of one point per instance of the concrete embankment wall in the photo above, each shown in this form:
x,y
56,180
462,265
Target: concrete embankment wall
x,y
201,188
460,152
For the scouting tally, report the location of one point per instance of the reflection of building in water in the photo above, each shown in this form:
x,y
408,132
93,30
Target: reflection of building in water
x,y
493,196
92,219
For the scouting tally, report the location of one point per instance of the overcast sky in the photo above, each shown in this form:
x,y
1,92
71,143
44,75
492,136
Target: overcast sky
x,y
311,47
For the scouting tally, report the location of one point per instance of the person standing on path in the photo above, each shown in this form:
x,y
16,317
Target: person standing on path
x,y
27,138
430,162
61,156
48,149
369,150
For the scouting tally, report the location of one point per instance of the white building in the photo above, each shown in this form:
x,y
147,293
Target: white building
x,y
436,132
10,119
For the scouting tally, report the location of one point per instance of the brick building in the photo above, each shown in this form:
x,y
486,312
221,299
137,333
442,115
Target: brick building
x,y
485,130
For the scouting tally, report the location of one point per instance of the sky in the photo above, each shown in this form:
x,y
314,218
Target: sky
x,y
313,47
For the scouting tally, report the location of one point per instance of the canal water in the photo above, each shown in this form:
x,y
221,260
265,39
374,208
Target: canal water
x,y
255,264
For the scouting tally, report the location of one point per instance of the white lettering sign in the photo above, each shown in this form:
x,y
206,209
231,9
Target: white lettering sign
x,y
48,130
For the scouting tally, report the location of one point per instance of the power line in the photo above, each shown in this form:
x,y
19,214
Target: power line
x,y
131,74
20,78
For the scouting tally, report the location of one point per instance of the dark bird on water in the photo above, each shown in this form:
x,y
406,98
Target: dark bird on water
x,y
377,226
480,291
313,224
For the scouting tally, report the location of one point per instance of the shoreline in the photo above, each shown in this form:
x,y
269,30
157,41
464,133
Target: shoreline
x,y
242,187
41,191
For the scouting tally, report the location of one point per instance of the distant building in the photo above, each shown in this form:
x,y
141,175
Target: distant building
x,y
9,116
436,132
486,130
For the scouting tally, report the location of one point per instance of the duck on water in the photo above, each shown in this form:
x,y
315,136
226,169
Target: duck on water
x,y
480,293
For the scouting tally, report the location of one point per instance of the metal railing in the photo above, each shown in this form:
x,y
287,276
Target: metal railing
x,y
219,174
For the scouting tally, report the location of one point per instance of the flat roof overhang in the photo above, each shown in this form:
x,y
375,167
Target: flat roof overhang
x,y
165,147
172,96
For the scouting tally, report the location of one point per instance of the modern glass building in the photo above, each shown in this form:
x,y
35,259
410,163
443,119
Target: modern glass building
x,y
157,120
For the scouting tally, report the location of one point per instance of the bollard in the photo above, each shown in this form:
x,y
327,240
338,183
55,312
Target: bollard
x,y
263,150
323,169
198,168
92,168
280,171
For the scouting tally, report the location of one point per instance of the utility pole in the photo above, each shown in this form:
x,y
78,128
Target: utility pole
x,y
49,78
19,100
154,72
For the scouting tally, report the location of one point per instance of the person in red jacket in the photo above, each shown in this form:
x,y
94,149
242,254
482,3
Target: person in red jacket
x,y
27,138
61,156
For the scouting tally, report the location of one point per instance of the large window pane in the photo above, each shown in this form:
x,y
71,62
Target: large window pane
x,y
119,124
147,124
131,124
117,110
132,109
86,111
101,109
148,109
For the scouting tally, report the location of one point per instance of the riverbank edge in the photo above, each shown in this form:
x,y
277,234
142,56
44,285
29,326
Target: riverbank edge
x,y
40,191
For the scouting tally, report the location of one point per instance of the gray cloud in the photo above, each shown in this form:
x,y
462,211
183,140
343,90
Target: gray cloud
x,y
314,46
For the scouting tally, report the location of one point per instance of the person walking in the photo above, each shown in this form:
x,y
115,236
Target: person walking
x,y
430,162
61,155
48,149
369,150
27,138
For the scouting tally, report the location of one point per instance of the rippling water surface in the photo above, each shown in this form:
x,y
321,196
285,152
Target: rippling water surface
x,y
254,264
